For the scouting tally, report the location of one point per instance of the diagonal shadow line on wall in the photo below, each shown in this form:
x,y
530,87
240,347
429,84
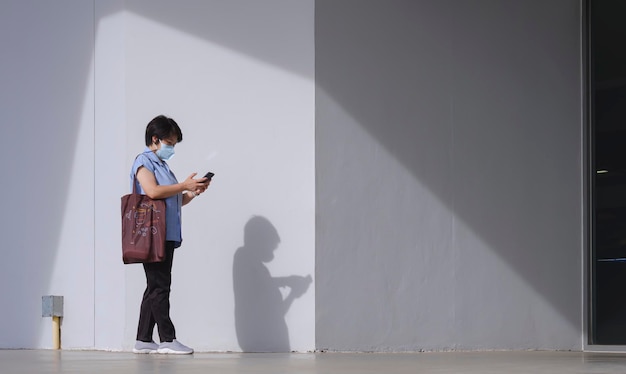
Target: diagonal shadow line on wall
x,y
361,39
451,100
398,137
247,27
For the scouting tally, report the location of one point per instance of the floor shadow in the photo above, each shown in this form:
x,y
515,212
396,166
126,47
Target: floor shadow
x,y
259,304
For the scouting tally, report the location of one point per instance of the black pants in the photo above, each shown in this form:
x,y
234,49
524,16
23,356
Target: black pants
x,y
155,305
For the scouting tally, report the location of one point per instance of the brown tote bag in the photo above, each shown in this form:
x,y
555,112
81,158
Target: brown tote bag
x,y
143,228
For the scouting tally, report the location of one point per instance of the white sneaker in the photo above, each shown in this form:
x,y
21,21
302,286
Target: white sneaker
x,y
145,347
174,348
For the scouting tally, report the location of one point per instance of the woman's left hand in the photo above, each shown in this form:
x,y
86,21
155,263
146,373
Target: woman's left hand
x,y
203,188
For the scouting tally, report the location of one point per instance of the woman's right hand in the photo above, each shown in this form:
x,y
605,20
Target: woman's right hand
x,y
195,185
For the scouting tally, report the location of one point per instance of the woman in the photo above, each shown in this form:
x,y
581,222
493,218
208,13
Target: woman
x,y
158,182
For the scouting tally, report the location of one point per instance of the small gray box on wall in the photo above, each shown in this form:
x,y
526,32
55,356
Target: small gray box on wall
x,y
52,306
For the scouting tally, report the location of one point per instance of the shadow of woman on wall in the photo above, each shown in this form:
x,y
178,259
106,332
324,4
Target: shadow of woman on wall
x,y
259,305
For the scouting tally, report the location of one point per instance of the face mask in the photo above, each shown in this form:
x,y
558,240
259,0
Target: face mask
x,y
165,152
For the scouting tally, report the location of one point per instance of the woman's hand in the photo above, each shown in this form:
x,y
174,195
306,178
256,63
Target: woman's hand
x,y
196,185
206,182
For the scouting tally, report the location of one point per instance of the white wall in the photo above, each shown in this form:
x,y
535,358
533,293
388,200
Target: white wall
x,y
79,86
448,163
237,76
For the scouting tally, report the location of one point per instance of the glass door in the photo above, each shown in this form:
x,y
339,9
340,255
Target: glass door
x,y
606,21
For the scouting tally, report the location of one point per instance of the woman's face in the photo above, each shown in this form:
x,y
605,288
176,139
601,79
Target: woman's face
x,y
164,148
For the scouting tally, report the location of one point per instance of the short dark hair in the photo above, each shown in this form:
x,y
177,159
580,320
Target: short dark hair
x,y
163,127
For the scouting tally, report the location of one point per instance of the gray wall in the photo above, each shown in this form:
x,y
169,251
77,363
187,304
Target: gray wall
x,y
448,161
48,178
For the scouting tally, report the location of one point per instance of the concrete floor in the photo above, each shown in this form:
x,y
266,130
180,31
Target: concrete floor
x,y
47,361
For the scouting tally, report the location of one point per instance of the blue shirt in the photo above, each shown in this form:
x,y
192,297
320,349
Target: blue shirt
x,y
163,176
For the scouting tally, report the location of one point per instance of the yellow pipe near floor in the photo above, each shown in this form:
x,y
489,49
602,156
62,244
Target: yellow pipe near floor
x,y
56,332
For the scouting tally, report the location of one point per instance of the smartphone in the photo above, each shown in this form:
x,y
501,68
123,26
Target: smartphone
x,y
209,175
